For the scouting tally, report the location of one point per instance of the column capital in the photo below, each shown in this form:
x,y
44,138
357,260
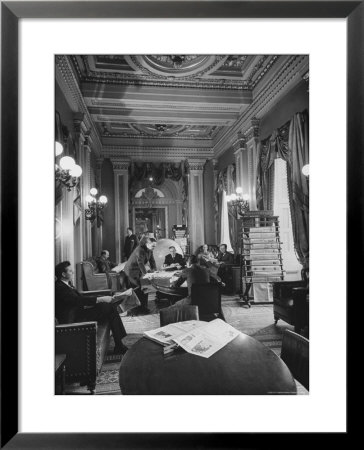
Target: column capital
x,y
253,129
79,122
240,143
215,164
120,164
196,165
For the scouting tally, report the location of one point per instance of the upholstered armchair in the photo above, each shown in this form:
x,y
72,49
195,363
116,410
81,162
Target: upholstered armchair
x,y
290,302
89,279
85,345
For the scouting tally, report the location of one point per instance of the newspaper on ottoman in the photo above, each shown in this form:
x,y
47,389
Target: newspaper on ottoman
x,y
126,300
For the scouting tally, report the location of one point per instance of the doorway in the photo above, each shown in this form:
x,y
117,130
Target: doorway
x,y
150,220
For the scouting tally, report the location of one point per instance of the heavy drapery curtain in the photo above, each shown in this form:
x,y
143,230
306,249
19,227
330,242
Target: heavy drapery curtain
x,y
276,146
225,186
298,144
289,142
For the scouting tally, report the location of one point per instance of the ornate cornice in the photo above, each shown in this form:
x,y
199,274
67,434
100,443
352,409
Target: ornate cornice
x,y
150,154
69,86
287,77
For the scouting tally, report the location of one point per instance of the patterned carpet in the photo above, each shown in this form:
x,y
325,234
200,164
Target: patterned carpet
x,y
256,321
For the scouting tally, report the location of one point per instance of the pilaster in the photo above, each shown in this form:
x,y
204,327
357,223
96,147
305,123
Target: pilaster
x,y
252,145
215,168
196,218
121,190
83,149
241,163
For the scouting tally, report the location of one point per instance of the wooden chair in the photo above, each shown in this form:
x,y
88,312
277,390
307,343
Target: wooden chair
x,y
208,299
175,314
295,353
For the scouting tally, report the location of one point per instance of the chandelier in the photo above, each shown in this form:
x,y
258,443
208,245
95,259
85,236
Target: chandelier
x,y
95,207
238,203
67,172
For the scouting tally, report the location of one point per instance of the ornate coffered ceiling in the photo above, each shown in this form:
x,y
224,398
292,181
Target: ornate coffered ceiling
x,y
169,101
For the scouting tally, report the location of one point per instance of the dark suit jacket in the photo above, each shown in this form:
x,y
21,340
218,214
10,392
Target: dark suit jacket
x,y
70,303
195,274
130,244
104,265
227,257
177,259
135,265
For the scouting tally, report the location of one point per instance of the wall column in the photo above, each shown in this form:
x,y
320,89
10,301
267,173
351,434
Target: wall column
x,y
196,223
253,146
215,165
97,243
121,184
241,163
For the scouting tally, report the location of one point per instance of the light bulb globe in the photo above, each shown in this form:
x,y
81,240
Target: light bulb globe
x,y
93,191
67,163
306,170
239,190
76,171
103,199
58,148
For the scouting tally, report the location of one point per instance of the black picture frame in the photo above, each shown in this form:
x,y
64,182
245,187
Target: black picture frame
x,y
11,13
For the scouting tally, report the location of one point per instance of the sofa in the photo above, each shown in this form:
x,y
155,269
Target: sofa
x,y
85,345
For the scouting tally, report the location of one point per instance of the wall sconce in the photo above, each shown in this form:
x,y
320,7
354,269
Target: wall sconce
x,y
95,207
67,172
238,203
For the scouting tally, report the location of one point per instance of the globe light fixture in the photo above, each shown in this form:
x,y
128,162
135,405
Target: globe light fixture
x,y
67,172
95,207
238,203
58,148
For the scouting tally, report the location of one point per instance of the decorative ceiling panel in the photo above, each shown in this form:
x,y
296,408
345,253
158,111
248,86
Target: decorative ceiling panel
x,y
182,99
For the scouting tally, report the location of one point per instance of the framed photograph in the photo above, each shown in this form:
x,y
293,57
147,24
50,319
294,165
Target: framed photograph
x,y
47,49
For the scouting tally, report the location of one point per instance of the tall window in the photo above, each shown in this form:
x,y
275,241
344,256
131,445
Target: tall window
x,y
225,234
281,208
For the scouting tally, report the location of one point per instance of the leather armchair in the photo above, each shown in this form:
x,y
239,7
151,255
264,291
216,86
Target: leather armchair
x,y
85,345
89,279
290,302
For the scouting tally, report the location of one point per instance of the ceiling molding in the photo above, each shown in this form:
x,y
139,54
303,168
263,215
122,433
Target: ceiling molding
x,y
287,78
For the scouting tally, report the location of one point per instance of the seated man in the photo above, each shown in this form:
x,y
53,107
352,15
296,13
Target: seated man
x,y
72,307
137,266
103,262
224,258
194,274
173,261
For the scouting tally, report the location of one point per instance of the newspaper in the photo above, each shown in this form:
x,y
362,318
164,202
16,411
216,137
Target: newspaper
x,y
119,267
195,337
126,300
166,335
206,340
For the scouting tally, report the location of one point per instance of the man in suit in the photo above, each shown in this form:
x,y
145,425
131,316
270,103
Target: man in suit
x,y
194,274
135,268
130,244
224,258
103,262
173,260
71,306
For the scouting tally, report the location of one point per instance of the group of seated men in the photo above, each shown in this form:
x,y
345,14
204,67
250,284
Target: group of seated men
x,y
71,306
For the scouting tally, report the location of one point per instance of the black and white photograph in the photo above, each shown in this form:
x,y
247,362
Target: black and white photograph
x,y
181,224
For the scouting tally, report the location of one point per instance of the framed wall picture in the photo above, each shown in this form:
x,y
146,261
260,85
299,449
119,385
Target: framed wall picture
x,y
31,416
